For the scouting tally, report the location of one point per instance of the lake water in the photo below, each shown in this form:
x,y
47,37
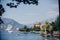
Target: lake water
x,y
20,36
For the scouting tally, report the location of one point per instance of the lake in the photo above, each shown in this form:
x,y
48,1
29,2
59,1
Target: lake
x,y
20,36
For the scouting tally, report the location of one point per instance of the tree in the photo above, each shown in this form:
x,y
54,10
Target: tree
x,y
11,4
57,23
43,27
1,12
47,27
36,28
31,29
54,26
25,28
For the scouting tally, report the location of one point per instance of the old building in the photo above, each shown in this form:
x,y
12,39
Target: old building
x,y
38,24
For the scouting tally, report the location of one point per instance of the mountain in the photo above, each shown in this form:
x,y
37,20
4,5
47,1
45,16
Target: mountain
x,y
29,25
12,23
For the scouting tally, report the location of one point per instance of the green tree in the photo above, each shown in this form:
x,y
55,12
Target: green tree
x,y
43,27
54,26
31,29
25,28
57,23
2,10
19,1
47,27
36,28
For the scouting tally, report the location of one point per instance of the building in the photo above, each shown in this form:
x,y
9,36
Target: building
x,y
38,24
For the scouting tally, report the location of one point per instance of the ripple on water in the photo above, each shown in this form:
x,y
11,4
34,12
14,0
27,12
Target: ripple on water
x,y
20,36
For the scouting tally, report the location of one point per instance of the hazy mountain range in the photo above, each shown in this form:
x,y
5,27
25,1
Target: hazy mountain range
x,y
15,24
11,22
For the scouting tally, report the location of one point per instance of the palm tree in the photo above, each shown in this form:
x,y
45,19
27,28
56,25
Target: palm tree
x,y
47,27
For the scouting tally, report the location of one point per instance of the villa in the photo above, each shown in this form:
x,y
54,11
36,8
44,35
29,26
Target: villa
x,y
38,24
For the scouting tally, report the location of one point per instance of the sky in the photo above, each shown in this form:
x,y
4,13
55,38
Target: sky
x,y
27,14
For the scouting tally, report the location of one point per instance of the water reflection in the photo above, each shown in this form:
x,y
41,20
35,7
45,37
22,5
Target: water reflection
x,y
20,36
